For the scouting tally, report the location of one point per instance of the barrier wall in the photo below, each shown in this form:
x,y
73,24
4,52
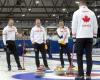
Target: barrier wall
x,y
54,46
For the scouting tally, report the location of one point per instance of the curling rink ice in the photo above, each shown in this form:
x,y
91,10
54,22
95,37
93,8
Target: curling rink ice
x,y
29,74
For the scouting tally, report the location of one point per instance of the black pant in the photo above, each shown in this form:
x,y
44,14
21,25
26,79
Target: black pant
x,y
11,49
81,45
63,49
41,48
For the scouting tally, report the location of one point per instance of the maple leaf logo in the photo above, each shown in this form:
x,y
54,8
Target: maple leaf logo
x,y
86,19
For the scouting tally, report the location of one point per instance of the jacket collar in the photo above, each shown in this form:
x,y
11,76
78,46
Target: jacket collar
x,y
82,7
38,27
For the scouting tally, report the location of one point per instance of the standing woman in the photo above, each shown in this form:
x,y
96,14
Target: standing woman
x,y
9,33
63,34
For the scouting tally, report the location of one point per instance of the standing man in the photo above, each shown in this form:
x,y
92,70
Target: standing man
x,y
63,34
84,29
9,33
38,39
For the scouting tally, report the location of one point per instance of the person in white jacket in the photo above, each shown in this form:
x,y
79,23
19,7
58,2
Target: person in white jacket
x,y
63,34
84,29
8,35
38,39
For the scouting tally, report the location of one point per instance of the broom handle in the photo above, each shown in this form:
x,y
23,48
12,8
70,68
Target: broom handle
x,y
23,51
23,56
73,52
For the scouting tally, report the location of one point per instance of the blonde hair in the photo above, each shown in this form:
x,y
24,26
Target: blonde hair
x,y
83,2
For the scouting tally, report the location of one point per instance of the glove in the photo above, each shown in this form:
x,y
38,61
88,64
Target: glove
x,y
61,41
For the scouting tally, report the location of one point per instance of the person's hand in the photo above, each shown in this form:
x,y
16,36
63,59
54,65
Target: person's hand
x,y
33,42
46,47
19,35
74,40
94,41
61,41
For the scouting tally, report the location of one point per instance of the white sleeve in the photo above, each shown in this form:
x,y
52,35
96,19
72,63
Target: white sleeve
x,y
74,25
68,32
59,33
32,35
95,26
45,36
4,35
16,31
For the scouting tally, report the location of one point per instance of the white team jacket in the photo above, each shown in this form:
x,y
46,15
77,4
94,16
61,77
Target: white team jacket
x,y
9,34
38,35
84,23
64,33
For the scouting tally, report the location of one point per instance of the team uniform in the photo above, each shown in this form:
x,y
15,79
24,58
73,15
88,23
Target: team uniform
x,y
84,28
38,36
64,34
9,42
